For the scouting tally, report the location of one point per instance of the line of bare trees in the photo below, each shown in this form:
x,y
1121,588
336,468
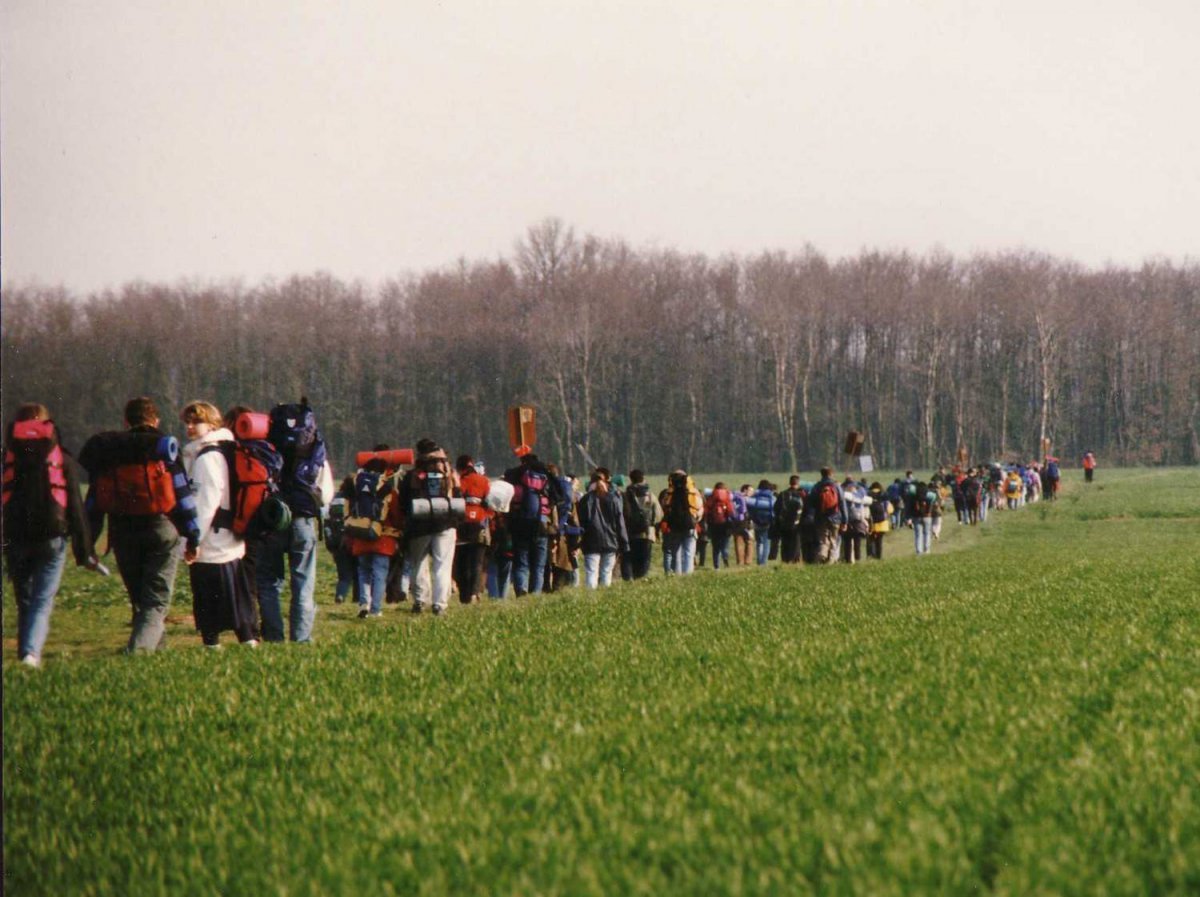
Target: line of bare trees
x,y
656,358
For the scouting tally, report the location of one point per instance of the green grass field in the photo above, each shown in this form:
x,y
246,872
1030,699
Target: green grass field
x,y
1018,715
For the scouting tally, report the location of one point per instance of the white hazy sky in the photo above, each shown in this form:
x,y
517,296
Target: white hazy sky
x,y
252,138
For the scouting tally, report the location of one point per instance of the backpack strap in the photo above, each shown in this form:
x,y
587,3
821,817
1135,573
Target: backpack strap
x,y
223,517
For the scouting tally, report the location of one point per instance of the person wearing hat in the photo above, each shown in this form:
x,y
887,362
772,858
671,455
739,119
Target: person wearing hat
x,y
430,532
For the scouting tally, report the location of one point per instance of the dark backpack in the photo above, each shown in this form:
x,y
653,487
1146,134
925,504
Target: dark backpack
x,y
369,505
131,472
1052,470
35,483
532,496
791,508
877,509
639,509
679,509
294,433
254,471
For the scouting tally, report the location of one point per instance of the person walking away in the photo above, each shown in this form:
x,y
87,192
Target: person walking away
x,y
762,516
474,532
137,478
604,535
1089,466
880,513
935,519
1052,475
742,525
43,510
858,523
683,508
825,508
718,513
335,542
921,516
304,485
643,514
431,519
530,522
221,599
789,517
374,526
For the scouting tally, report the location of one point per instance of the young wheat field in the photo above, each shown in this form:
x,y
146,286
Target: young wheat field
x,y
1017,713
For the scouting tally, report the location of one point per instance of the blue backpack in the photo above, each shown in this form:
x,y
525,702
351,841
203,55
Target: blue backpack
x,y
295,435
762,507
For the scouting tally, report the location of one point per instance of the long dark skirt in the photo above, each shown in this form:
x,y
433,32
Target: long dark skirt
x,y
221,601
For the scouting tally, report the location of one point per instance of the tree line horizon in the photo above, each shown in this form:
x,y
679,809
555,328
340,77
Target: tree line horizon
x,y
654,358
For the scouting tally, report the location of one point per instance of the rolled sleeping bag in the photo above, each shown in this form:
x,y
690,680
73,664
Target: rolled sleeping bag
x,y
274,514
252,425
500,496
392,458
439,510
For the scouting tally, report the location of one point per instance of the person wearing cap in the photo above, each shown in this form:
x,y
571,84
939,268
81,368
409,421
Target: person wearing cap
x,y
429,541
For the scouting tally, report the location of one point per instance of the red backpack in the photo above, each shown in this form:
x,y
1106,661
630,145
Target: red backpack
x,y
135,490
254,470
35,482
718,506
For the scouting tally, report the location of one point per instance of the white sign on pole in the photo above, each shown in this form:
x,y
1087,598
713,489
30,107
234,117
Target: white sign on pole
x,y
865,463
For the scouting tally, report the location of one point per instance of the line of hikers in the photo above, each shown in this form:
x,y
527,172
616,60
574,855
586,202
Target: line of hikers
x,y
245,501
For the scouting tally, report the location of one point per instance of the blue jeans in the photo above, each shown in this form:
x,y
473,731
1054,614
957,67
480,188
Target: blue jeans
x,y
36,569
299,544
922,527
984,503
372,580
529,561
762,543
679,552
498,571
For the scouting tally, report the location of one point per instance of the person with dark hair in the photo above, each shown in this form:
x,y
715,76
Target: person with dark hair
x,y
43,509
431,521
718,514
825,508
603,521
789,520
643,514
762,514
473,532
137,479
531,521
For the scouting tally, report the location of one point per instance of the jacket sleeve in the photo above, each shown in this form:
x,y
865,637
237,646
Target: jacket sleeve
x,y
622,533
183,515
82,541
210,482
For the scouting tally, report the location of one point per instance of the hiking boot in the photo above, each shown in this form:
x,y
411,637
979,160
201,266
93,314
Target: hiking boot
x,y
362,614
438,610
376,613
417,608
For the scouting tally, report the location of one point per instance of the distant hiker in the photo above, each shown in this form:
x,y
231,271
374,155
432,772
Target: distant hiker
x,y
762,515
531,521
137,479
1014,490
789,518
858,521
1051,475
896,498
474,533
221,599
432,514
825,509
921,515
603,521
335,532
974,495
643,514
42,510
718,514
742,525
683,508
372,530
880,520
935,519
563,546
306,483
1089,466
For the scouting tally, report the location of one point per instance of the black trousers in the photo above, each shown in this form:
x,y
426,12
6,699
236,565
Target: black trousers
x,y
638,557
221,601
468,570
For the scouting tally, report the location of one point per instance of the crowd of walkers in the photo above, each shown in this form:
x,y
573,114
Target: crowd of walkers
x,y
246,500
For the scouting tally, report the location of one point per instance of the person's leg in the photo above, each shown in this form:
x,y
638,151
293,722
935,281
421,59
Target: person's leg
x,y
302,559
642,550
441,559
591,570
35,581
269,580
627,565
347,572
522,545
608,561
670,553
687,553
380,564
362,573
539,551
159,561
419,586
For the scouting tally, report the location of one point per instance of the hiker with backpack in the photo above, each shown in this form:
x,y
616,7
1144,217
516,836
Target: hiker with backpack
x,y
137,479
562,552
335,534
221,599
531,521
789,516
920,513
880,519
374,521
304,485
43,510
474,533
1051,475
602,518
718,514
643,514
683,508
433,509
825,510
858,522
1089,466
761,507
742,525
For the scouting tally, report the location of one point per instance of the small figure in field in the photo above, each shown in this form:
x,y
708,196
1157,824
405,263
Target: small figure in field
x,y
603,520
643,514
762,514
683,508
858,523
825,507
790,521
43,509
880,520
718,514
920,512
742,524
1089,466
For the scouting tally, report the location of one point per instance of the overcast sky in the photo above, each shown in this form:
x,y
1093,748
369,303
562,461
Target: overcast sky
x,y
216,139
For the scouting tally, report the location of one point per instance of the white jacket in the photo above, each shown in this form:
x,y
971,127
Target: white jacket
x,y
210,484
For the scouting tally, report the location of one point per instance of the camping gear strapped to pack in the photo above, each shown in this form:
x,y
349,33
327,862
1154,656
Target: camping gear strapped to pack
x,y
762,507
254,471
475,489
294,433
431,499
684,505
131,472
366,511
35,482
531,497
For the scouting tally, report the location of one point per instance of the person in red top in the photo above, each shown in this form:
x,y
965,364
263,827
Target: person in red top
x,y
718,513
474,532
373,556
1089,466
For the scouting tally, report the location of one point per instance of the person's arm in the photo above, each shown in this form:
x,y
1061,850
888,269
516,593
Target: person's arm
x,y
183,515
82,541
622,532
210,483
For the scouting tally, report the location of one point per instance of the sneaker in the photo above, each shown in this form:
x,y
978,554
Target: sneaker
x,y
251,643
417,608
216,647
438,610
30,661
376,613
362,613
339,600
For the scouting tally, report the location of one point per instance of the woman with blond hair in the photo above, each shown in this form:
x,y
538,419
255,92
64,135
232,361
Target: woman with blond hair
x,y
221,597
